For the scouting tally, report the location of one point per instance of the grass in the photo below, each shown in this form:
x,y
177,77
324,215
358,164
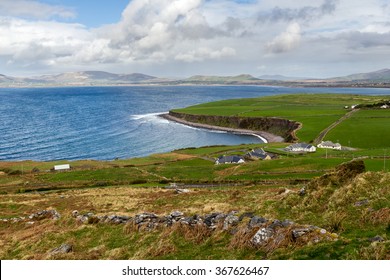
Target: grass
x,y
365,129
315,112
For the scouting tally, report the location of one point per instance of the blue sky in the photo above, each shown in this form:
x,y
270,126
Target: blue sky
x,y
308,38
93,13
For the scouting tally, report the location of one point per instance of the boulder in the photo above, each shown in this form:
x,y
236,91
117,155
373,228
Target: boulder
x,y
63,249
262,236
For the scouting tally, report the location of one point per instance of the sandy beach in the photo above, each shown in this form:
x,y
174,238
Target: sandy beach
x,y
266,137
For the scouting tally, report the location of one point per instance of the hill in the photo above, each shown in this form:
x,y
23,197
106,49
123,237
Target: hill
x,y
240,79
84,78
380,75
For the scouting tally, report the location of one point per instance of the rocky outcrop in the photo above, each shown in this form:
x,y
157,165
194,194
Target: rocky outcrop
x,y
258,231
37,216
276,126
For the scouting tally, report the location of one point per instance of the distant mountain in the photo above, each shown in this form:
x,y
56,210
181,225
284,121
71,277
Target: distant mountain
x,y
381,75
85,78
242,79
281,78
379,78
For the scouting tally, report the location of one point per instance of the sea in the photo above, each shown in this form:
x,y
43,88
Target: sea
x,y
107,123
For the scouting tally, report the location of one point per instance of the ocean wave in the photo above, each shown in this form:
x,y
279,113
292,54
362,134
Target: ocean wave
x,y
151,117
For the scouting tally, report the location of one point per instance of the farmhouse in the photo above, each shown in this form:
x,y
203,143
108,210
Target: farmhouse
x,y
329,145
62,167
258,154
229,159
301,147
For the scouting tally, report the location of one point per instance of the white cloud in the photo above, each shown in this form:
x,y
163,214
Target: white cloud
x,y
202,54
286,41
176,34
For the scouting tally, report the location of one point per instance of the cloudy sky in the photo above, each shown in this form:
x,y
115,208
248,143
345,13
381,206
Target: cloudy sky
x,y
178,38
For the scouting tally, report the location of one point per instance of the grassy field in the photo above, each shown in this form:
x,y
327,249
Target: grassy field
x,y
315,111
365,129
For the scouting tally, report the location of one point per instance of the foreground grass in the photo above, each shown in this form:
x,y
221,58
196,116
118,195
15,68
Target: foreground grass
x,y
329,206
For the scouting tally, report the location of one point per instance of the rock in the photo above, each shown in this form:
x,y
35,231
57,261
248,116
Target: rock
x,y
75,213
176,214
302,192
144,217
377,238
287,223
275,224
180,191
323,231
246,215
63,249
361,203
257,222
298,232
229,221
30,223
262,236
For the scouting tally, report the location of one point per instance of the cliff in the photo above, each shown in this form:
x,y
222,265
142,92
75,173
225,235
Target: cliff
x,y
275,126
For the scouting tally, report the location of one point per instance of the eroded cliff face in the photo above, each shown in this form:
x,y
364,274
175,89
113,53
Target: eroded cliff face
x,y
281,127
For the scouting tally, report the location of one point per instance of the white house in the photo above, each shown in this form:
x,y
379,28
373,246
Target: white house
x,y
62,167
301,147
329,145
385,106
229,159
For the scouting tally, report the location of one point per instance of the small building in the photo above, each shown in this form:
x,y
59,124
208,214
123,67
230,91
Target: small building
x,y
230,160
329,145
259,154
301,147
385,106
61,167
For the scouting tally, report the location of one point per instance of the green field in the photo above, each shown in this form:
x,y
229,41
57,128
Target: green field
x,y
315,111
365,129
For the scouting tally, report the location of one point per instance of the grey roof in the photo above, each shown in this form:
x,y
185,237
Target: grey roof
x,y
229,159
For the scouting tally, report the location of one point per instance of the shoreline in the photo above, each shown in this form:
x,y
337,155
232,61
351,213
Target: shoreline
x,y
266,137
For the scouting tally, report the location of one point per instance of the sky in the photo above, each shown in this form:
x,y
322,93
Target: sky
x,y
180,38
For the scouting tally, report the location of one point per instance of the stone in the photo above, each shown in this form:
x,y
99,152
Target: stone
x,y
262,236
176,214
180,191
377,238
322,231
298,232
302,192
287,223
275,224
63,249
257,221
229,221
246,215
75,213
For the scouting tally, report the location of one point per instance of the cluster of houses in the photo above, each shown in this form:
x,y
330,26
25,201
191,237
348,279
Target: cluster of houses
x,y
260,154
308,148
256,154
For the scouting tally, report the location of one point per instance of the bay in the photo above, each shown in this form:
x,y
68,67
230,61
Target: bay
x,y
116,122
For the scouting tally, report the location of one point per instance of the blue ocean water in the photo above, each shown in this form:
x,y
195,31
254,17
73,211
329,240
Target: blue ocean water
x,y
115,122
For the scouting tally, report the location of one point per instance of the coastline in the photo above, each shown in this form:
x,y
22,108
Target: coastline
x,y
266,137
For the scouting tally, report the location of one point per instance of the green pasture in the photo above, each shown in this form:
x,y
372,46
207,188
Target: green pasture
x,y
316,112
365,129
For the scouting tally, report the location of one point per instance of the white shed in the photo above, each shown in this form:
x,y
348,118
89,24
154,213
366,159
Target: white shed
x,y
61,167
